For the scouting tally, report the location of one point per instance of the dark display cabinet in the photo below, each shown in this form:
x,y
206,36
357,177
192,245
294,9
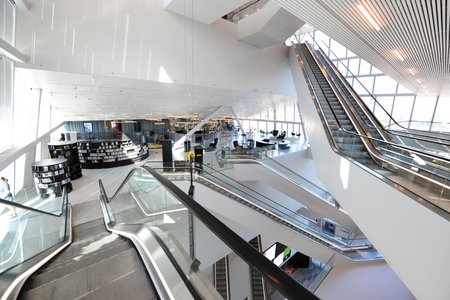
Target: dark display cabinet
x,y
51,175
69,151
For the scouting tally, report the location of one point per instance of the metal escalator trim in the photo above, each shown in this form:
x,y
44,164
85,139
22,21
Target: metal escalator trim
x,y
36,263
148,243
164,270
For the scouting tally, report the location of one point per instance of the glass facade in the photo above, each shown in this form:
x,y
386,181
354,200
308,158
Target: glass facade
x,y
282,118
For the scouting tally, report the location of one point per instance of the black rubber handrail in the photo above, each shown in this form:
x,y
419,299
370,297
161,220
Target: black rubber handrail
x,y
285,284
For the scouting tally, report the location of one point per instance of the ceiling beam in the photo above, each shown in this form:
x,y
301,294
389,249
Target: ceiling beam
x,y
11,53
23,4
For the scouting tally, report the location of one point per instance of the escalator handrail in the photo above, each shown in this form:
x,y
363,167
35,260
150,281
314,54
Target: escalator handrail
x,y
277,277
334,145
25,207
419,132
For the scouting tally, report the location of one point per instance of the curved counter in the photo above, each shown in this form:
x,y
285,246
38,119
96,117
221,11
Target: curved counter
x,y
109,153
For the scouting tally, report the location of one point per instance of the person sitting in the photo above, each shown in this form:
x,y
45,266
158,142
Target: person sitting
x,y
212,145
282,135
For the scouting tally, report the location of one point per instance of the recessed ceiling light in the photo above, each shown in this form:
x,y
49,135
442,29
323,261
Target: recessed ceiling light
x,y
412,72
397,53
370,17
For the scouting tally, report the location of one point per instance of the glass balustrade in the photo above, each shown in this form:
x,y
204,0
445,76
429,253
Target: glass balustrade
x,y
33,226
195,247
341,237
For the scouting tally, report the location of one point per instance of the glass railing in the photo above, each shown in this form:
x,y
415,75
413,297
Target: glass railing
x,y
30,225
432,142
420,180
191,235
265,156
342,239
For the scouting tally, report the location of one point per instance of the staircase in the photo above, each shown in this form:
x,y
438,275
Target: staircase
x,y
97,265
221,279
258,288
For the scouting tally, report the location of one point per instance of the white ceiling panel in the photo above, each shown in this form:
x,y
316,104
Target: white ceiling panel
x,y
87,97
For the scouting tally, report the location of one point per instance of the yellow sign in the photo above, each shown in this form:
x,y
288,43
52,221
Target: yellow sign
x,y
190,155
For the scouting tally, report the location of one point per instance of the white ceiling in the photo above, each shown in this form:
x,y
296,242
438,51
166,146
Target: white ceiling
x,y
88,97
418,29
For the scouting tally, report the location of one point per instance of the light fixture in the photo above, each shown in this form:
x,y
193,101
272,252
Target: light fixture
x,y
397,53
370,17
412,72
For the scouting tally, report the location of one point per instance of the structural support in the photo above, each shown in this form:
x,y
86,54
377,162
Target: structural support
x,y
11,53
237,120
24,4
188,135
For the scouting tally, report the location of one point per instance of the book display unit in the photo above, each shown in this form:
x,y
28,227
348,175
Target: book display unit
x,y
50,176
96,154
69,151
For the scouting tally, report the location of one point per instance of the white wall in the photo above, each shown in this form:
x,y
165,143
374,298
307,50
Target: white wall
x,y
139,39
239,277
256,172
412,238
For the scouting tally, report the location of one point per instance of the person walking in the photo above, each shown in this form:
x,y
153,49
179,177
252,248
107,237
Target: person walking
x,y
5,193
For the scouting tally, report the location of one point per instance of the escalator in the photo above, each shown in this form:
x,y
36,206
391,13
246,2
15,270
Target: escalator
x,y
314,239
96,265
425,143
150,210
401,207
150,249
221,280
385,158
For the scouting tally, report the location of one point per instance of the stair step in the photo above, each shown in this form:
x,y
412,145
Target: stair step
x,y
89,278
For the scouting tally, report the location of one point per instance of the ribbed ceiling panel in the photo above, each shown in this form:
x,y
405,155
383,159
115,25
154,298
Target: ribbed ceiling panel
x,y
417,29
